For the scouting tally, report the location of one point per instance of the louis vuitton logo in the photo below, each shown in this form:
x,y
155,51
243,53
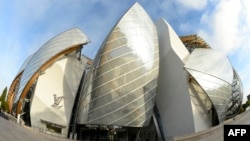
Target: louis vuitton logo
x,y
57,101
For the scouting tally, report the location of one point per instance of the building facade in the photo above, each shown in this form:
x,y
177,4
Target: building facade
x,y
121,87
48,82
145,83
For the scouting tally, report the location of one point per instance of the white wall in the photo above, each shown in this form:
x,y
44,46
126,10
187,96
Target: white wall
x,y
173,99
203,120
62,79
180,112
201,105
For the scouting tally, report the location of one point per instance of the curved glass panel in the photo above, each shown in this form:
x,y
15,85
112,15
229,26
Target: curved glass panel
x,y
199,96
217,90
237,96
121,86
60,43
25,64
212,63
213,71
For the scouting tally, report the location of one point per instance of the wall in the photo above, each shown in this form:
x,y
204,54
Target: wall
x,y
173,99
62,79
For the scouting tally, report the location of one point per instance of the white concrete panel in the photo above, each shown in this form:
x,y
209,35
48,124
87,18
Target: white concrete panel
x,y
173,99
61,79
178,114
201,105
203,119
170,40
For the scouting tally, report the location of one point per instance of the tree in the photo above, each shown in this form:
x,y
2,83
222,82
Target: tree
x,y
4,104
244,106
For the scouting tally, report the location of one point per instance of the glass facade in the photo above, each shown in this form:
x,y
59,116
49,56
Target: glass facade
x,y
48,51
121,88
197,87
213,71
198,96
236,98
15,84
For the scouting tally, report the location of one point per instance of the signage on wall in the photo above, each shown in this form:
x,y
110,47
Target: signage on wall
x,y
57,101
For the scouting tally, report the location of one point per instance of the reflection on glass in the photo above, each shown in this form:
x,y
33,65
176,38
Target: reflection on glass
x,y
123,89
218,91
214,73
237,96
211,62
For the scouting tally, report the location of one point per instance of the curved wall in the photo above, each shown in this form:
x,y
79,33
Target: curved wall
x,y
25,64
201,105
55,93
173,99
237,97
64,43
213,71
121,87
15,84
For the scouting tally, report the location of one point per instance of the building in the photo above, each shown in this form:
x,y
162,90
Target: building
x,y
47,83
194,41
145,83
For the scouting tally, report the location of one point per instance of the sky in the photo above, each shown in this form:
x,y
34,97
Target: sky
x,y
28,24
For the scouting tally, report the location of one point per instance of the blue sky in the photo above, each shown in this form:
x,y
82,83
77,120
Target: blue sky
x,y
26,25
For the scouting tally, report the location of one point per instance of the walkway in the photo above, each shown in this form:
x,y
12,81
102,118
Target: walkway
x,y
10,131
215,133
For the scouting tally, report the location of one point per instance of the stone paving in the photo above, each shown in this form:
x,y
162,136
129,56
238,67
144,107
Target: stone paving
x,y
10,131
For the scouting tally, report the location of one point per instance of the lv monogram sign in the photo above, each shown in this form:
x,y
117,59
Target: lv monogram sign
x,y
57,101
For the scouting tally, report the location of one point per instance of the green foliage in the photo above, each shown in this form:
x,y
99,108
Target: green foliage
x,y
244,106
2,97
242,109
4,104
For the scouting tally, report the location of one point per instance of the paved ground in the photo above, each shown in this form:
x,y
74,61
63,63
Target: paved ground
x,y
215,133
10,131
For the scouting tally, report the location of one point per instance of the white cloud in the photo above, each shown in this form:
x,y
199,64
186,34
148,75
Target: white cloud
x,y
32,23
227,26
227,29
224,23
186,27
194,4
